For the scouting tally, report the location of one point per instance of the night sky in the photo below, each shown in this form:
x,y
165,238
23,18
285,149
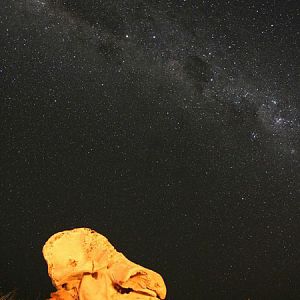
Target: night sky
x,y
170,127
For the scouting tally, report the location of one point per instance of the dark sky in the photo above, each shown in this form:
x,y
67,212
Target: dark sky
x,y
171,127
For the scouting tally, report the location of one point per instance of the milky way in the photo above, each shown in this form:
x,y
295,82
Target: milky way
x,y
166,50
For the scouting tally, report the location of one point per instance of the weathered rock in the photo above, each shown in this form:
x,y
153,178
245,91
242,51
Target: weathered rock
x,y
84,265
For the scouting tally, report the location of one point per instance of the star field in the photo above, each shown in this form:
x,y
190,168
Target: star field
x,y
171,127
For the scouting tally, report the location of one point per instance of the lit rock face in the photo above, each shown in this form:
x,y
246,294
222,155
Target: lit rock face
x,y
83,265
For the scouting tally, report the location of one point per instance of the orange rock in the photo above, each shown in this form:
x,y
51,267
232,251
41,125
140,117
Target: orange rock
x,y
83,265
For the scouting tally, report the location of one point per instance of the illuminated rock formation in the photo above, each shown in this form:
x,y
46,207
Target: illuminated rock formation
x,y
83,265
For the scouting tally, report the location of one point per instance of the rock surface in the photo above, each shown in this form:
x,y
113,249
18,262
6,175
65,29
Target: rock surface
x,y
83,265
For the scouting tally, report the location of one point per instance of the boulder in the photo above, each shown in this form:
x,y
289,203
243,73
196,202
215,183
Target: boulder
x,y
83,265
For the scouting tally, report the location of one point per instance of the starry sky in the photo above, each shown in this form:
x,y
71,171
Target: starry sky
x,y
171,127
